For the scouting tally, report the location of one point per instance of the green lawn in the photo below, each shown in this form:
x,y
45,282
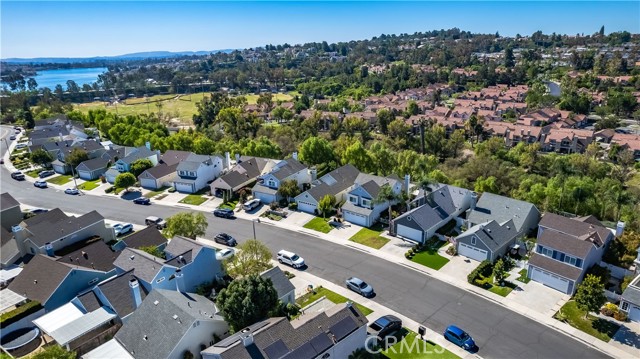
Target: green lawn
x,y
33,173
430,258
89,185
597,327
231,205
332,296
319,224
370,238
60,180
411,347
523,276
193,199
155,193
503,291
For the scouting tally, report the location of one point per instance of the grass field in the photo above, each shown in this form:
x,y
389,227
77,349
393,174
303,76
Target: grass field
x,y
155,193
430,258
370,237
193,199
252,99
318,224
332,296
419,350
597,327
60,180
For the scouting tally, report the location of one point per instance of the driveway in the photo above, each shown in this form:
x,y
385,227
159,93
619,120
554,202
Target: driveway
x,y
538,297
628,338
297,218
459,267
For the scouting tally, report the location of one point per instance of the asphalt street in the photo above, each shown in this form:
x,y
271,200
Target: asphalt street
x,y
499,332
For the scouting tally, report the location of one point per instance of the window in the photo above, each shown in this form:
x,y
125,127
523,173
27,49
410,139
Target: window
x,y
624,306
473,240
366,202
272,183
160,280
547,252
353,199
570,260
94,280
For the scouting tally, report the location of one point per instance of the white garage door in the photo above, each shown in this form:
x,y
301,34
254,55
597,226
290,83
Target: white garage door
x,y
306,207
549,279
472,252
265,197
355,218
85,175
409,233
148,183
184,187
634,314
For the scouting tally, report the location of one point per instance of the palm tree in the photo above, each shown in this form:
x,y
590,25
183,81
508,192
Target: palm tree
x,y
387,195
425,183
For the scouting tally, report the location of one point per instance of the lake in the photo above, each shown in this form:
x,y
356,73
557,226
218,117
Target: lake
x,y
51,78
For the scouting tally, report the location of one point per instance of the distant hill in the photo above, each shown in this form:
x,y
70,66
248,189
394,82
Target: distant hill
x,y
133,56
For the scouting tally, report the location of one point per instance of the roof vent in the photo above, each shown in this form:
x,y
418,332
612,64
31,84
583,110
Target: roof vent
x,y
35,281
145,338
175,317
489,230
156,302
132,257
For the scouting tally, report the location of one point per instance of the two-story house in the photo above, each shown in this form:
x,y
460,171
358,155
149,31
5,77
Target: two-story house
x,y
565,250
630,300
165,173
196,172
244,173
361,207
123,164
266,189
335,183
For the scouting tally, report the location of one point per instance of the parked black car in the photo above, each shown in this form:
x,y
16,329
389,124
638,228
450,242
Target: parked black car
x,y
46,173
224,213
142,200
226,239
18,176
384,326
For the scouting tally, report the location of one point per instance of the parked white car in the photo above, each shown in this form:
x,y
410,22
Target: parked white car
x,y
121,228
225,254
251,204
290,258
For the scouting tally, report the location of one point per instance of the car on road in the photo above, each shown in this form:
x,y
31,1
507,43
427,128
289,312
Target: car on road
x,y
12,137
459,337
73,191
18,176
359,286
251,204
290,258
224,213
21,145
121,228
155,221
384,326
47,173
40,184
224,254
142,200
226,239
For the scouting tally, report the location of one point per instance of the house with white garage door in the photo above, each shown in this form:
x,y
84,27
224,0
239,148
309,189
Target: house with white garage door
x,y
244,173
266,188
90,170
630,301
335,183
565,250
492,207
435,209
165,173
487,241
196,171
360,207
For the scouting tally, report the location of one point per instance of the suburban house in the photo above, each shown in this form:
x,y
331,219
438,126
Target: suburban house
x,y
50,232
501,209
56,128
630,300
360,207
290,169
196,171
188,265
10,213
435,209
166,325
60,149
148,237
487,241
335,183
123,164
244,173
282,285
54,283
565,250
92,169
335,333
165,173
9,250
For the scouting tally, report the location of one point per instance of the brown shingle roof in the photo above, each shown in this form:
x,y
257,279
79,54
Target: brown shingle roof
x,y
40,278
554,266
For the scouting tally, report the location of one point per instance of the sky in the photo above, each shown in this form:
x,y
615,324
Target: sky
x,y
107,28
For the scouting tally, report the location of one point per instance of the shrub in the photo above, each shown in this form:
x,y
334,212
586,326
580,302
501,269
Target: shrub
x,y
606,311
484,269
273,206
110,189
452,251
621,316
19,313
408,255
293,206
171,189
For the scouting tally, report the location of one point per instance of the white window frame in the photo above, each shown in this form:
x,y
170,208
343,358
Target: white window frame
x,y
624,306
353,199
366,202
271,183
570,260
547,252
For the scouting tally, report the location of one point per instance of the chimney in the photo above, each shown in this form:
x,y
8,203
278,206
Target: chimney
x,y
49,248
407,183
148,145
247,337
295,155
227,160
237,158
620,229
19,233
178,275
135,291
474,200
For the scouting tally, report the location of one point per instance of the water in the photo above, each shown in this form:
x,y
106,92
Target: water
x,y
51,78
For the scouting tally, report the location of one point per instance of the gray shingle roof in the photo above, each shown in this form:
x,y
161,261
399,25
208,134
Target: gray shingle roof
x,y
565,243
154,320
501,209
51,230
40,278
149,236
281,283
95,255
118,293
264,189
575,227
142,152
146,266
350,207
632,293
554,266
372,183
179,245
290,167
247,170
494,235
173,157
92,165
158,171
90,301
7,201
334,182
439,204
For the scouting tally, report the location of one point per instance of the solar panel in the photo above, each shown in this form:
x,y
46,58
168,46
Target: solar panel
x,y
305,351
321,342
276,349
343,328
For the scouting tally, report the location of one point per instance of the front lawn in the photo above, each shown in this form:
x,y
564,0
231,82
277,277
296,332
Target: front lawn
x,y
597,327
230,205
319,224
33,173
193,199
332,296
89,185
523,276
370,238
60,180
152,194
503,291
406,347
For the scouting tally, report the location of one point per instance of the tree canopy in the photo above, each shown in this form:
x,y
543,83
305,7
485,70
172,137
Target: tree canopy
x,y
247,301
186,224
253,257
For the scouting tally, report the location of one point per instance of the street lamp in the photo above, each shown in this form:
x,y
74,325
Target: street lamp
x,y
253,222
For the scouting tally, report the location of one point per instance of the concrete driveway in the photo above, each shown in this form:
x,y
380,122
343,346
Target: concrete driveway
x,y
628,338
459,267
538,297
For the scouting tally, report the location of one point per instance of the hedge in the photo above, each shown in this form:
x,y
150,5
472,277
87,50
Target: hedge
x,y
485,268
19,313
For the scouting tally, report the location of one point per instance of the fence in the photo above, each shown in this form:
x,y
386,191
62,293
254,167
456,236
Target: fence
x,y
617,272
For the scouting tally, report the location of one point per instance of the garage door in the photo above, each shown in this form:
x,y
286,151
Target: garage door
x,y
355,218
409,233
184,187
148,183
634,313
265,197
306,207
550,280
472,252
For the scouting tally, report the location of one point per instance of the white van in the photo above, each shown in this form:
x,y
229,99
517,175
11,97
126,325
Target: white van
x,y
251,204
290,258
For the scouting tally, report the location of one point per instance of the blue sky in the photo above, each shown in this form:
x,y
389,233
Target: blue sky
x,y
92,28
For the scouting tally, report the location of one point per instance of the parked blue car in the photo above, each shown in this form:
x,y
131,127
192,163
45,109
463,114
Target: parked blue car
x,y
460,338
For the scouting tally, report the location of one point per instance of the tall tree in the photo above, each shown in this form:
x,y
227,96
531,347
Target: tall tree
x,y
247,301
252,258
140,165
590,295
499,271
326,204
186,224
387,195
125,180
384,118
76,156
316,150
41,157
358,156
289,189
509,58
